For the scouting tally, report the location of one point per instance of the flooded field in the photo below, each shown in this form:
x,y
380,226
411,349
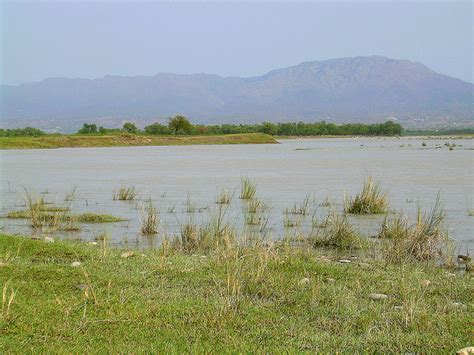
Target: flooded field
x,y
183,182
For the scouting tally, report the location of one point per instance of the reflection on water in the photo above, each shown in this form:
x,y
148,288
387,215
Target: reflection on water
x,y
175,176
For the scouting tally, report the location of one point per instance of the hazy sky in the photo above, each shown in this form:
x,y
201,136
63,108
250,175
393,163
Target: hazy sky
x,y
93,39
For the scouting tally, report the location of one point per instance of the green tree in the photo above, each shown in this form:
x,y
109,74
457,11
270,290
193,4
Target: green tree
x,y
157,129
88,128
130,127
180,125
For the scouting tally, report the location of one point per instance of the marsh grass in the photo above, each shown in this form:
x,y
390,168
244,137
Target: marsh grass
x,y
52,219
256,206
299,209
371,200
224,197
425,240
149,219
211,236
327,202
125,193
291,222
71,195
247,189
338,233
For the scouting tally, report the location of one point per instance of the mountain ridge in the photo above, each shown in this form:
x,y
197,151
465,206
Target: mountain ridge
x,y
354,89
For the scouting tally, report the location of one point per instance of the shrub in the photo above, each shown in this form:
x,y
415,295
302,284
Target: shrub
x,y
370,200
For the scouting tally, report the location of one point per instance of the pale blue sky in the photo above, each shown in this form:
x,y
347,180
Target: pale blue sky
x,y
93,39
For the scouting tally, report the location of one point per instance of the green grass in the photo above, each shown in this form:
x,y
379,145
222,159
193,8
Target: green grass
x,y
81,217
255,299
123,140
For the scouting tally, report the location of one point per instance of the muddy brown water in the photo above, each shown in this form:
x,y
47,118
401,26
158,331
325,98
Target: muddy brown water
x,y
412,175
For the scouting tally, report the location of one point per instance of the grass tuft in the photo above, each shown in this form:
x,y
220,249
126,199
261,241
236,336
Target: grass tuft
x,y
149,220
371,200
247,189
125,193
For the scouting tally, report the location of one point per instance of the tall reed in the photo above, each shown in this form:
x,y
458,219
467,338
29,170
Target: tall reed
x,y
247,189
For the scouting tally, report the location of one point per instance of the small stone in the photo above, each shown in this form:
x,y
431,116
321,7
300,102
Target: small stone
x,y
345,261
330,280
76,264
127,254
398,307
377,296
450,274
92,243
459,305
466,351
304,281
48,240
425,283
203,256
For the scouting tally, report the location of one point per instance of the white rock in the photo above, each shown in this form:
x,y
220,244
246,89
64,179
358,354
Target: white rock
x,y
93,243
466,351
48,240
304,281
76,264
127,254
345,261
398,307
459,305
377,296
425,283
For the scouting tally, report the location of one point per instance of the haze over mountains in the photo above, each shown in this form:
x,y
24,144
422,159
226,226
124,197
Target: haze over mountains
x,y
359,89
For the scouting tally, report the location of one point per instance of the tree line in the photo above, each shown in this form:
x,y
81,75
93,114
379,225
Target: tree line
x,y
180,125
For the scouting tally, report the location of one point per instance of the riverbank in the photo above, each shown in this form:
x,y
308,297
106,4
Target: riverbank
x,y
71,297
125,140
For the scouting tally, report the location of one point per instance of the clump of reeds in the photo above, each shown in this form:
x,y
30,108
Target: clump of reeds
x,y
190,237
289,222
247,189
125,193
34,209
190,206
371,200
224,197
338,233
421,241
149,220
300,209
69,197
256,206
327,202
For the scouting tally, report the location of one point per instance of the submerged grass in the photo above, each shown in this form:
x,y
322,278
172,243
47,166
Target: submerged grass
x,y
425,240
371,200
338,233
43,218
125,193
149,220
238,299
247,189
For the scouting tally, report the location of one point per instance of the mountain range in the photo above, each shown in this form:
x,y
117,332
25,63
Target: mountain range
x,y
357,89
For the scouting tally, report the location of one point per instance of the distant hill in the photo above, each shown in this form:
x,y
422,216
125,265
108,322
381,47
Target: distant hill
x,y
359,89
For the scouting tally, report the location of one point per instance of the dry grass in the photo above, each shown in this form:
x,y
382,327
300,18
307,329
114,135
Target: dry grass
x,y
371,200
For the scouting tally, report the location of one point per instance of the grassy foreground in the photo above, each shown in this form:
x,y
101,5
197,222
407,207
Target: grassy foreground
x,y
260,298
124,140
